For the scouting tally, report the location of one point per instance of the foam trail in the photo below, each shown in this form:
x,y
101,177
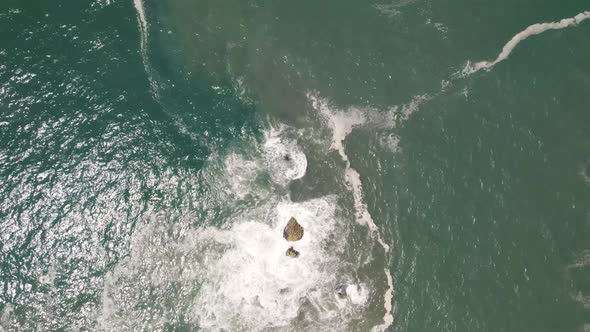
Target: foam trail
x,y
387,298
342,124
143,28
531,30
141,14
152,75
142,23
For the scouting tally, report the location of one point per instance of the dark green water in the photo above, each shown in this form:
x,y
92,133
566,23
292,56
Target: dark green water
x,y
151,153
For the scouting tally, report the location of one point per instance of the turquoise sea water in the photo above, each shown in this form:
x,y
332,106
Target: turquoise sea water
x,y
151,153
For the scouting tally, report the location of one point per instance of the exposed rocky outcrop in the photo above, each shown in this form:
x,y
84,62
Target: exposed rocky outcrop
x,y
293,231
341,291
292,252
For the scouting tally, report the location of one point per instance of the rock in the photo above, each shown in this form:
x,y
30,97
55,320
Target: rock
x,y
292,253
293,231
341,291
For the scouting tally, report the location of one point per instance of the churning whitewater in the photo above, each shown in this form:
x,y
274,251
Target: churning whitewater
x,y
236,276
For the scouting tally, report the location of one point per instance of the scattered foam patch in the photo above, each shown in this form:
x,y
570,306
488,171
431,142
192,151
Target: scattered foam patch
x,y
6,319
576,277
391,10
391,142
531,30
404,112
243,173
440,27
585,172
342,122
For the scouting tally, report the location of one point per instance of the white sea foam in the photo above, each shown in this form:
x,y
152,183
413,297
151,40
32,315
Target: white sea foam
x,y
577,293
5,317
404,112
243,278
284,158
531,30
255,279
239,175
391,10
235,174
143,30
141,17
341,123
391,142
585,172
388,304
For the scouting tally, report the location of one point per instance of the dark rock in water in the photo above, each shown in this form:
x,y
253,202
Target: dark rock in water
x,y
341,291
293,231
287,157
292,253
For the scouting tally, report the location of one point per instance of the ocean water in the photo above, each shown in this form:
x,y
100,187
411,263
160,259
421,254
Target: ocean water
x,y
437,154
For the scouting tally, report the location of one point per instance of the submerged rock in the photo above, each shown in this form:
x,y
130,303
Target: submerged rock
x,y
341,291
292,252
293,231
